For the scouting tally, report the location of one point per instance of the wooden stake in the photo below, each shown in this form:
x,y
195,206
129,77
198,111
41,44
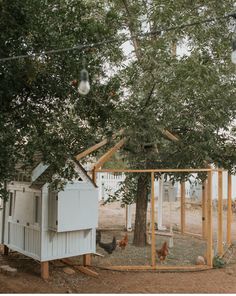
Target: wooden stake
x,y
204,209
182,206
5,250
87,259
220,211
86,270
153,245
229,209
45,270
209,221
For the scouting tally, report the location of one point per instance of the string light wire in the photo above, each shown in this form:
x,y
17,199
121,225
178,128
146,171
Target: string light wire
x,y
98,44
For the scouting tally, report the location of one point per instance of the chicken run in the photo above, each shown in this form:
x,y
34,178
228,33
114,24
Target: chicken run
x,y
179,246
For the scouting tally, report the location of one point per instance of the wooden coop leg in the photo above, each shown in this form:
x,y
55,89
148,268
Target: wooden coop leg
x,y
87,260
5,250
220,211
229,209
45,270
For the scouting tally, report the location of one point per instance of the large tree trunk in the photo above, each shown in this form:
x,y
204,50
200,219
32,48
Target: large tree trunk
x,y
141,212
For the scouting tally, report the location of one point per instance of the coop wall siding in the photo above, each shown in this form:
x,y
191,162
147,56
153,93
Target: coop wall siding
x,y
67,244
24,239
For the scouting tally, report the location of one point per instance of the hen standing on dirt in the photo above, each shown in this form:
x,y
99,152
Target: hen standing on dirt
x,y
124,242
108,247
163,252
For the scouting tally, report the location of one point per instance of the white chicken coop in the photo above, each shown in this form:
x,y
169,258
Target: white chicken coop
x,y
47,225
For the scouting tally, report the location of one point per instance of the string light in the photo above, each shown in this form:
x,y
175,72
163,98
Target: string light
x,y
113,40
84,86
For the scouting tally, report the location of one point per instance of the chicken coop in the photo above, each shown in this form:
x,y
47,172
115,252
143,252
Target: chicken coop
x,y
46,224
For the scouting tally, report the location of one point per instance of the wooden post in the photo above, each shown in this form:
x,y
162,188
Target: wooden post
x,y
220,211
45,270
209,221
87,260
5,250
94,176
229,209
204,210
153,245
182,206
160,206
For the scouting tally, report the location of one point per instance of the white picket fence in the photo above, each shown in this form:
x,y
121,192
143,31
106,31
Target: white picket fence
x,y
109,183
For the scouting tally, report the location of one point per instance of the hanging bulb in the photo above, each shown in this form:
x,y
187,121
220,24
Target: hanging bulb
x,y
233,55
84,86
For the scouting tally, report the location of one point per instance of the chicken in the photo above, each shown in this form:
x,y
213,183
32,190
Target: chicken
x,y
124,242
108,247
98,236
163,252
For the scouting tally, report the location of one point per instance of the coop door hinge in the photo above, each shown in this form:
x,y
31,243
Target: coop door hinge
x,y
57,197
56,222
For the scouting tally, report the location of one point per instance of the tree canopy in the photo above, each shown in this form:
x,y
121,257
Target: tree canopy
x,y
40,109
192,95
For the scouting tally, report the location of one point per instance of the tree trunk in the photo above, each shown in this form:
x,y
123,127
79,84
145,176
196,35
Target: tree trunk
x,y
141,212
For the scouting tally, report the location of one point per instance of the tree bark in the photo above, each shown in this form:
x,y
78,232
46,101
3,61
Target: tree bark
x,y
141,212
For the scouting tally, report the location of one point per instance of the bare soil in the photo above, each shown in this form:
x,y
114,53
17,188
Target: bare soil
x,y
27,279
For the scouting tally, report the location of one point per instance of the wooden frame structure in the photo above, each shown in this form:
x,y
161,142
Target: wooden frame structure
x,y
207,223
208,215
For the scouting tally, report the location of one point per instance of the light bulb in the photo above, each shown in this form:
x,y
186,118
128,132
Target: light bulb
x,y
84,86
233,57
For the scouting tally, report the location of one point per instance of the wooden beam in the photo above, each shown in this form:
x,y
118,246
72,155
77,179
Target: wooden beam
x,y
86,270
45,270
170,136
229,209
209,221
153,244
154,170
96,146
160,267
91,149
182,207
94,176
204,209
220,217
109,154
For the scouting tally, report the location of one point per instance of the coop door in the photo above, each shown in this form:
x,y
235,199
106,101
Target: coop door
x,y
77,210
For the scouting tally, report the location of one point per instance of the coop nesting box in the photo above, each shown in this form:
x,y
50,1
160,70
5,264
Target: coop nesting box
x,y
46,224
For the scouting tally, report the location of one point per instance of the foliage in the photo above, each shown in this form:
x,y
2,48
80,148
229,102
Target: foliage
x,y
40,110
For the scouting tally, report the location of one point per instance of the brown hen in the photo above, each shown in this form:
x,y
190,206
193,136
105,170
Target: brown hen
x,y
163,252
124,242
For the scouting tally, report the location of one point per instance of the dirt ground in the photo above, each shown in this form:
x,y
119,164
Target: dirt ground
x,y
27,279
